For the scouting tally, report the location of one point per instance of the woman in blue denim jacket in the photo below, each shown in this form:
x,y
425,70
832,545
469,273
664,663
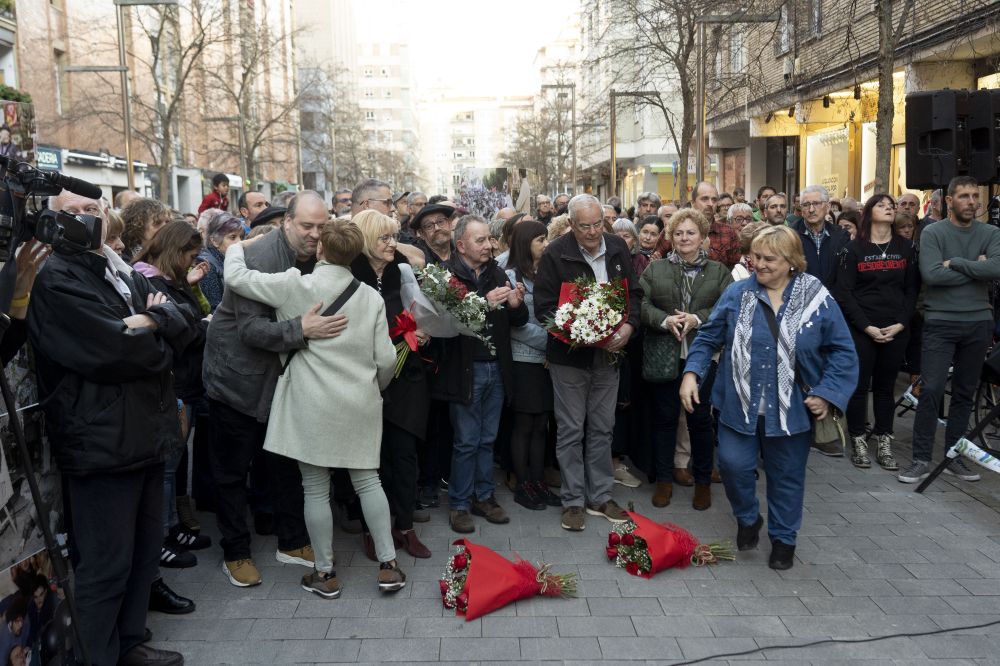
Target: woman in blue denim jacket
x,y
532,399
763,413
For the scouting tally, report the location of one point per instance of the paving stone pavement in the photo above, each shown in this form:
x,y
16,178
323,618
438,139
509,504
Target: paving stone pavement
x,y
873,559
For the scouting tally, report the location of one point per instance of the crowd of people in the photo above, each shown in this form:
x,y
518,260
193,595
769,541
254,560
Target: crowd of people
x,y
243,363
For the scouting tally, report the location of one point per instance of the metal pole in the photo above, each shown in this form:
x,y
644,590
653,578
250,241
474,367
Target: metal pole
x,y
126,107
699,169
572,89
614,151
243,150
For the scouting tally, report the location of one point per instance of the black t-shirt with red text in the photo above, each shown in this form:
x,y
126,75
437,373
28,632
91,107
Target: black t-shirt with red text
x,y
877,284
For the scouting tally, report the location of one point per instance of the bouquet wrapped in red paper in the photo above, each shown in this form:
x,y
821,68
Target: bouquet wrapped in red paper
x,y
589,312
643,547
406,326
478,580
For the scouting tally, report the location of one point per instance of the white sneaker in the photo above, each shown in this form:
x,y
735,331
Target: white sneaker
x,y
626,478
909,398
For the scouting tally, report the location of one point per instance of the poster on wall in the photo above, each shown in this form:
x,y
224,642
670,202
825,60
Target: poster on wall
x,y
17,131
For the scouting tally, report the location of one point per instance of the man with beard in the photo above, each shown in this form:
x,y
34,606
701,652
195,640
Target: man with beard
x,y
723,244
764,192
342,203
646,205
775,209
959,257
561,202
433,226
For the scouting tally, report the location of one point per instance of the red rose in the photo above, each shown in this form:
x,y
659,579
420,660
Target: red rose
x,y
628,539
463,601
632,568
612,552
459,562
444,587
460,289
614,539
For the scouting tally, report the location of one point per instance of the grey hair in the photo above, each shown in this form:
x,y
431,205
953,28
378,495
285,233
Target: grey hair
x,y
738,208
542,198
650,196
284,199
936,195
465,221
365,188
581,201
412,196
496,227
625,224
816,189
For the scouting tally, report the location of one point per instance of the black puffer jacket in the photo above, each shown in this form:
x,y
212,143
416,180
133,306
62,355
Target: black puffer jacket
x,y
452,381
106,390
187,364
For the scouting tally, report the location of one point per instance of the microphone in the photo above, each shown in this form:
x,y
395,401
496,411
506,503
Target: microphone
x,y
76,186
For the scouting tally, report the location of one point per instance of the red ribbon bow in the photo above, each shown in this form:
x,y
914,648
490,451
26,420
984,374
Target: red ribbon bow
x,y
406,326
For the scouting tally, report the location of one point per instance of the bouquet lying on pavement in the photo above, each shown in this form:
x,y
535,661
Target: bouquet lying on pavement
x,y
643,547
589,313
443,306
478,580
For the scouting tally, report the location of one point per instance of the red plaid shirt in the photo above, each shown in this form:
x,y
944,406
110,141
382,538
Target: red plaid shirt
x,y
723,244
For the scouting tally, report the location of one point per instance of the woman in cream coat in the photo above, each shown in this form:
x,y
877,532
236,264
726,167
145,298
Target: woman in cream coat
x,y
327,409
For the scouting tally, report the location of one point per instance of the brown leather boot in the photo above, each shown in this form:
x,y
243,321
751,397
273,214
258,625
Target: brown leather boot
x,y
702,497
683,477
661,496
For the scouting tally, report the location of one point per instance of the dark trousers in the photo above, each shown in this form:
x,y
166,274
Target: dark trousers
x,y
117,531
959,344
913,344
878,365
434,454
399,472
666,404
236,439
527,445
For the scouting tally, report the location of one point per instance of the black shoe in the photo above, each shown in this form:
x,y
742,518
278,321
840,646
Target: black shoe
x,y
546,495
526,496
427,498
782,556
164,600
263,524
747,537
188,539
143,655
174,557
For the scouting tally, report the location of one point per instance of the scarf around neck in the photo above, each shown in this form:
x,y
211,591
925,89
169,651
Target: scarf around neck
x,y
806,297
690,269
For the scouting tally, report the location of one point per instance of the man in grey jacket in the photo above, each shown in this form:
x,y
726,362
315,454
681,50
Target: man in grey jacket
x,y
240,372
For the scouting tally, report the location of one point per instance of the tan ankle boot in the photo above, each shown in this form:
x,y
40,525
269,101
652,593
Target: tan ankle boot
x,y
662,494
702,497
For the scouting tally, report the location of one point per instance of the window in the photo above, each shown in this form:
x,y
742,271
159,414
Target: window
x,y
369,72
387,137
737,61
384,72
459,156
369,93
472,153
307,121
369,115
309,180
815,17
62,82
387,93
784,41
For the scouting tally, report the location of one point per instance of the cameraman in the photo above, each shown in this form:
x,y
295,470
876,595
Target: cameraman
x,y
104,343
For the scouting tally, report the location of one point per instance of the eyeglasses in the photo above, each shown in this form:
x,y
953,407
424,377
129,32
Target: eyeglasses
x,y
744,220
346,200
386,202
386,238
812,204
431,225
590,227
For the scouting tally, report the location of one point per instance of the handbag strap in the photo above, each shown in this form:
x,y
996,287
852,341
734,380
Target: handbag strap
x,y
772,323
329,312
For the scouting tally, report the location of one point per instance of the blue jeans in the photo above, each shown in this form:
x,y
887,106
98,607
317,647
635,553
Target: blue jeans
x,y
475,426
784,470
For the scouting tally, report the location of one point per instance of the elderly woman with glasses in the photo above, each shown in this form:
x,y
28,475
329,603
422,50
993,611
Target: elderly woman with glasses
x,y
222,230
406,400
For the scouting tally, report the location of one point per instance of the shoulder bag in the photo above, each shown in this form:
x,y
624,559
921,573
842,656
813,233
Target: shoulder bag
x,y
826,431
329,312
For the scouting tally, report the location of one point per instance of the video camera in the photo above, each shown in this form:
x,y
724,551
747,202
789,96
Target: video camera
x,y
66,233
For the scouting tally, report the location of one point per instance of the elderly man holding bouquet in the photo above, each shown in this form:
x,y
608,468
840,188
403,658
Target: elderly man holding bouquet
x,y
584,377
474,374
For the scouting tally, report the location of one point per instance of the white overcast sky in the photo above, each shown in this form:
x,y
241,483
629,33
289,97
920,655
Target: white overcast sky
x,y
473,47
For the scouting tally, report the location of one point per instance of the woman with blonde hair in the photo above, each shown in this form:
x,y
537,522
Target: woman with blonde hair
x,y
406,399
781,330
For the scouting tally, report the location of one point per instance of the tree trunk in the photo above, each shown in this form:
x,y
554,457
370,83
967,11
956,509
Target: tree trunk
x,y
886,110
166,161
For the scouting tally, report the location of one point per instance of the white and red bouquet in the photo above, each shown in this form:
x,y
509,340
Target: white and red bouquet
x,y
478,580
443,306
589,313
643,547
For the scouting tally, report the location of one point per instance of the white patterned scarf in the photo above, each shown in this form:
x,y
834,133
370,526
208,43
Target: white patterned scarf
x,y
807,296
